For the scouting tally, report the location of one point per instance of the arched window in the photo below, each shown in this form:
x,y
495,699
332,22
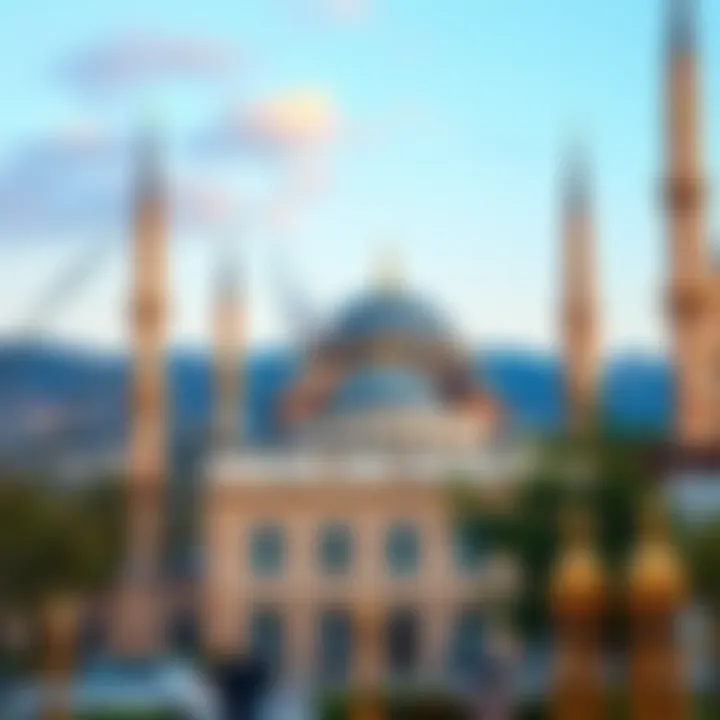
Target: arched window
x,y
466,644
402,550
335,641
184,632
335,548
267,638
403,641
267,551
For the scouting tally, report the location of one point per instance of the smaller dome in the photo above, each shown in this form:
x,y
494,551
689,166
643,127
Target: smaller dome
x,y
383,387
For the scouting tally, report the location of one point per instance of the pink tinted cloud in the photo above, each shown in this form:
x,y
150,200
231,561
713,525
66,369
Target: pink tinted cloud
x,y
136,58
290,123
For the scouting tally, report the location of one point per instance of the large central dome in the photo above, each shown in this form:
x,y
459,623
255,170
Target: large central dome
x,y
389,371
386,313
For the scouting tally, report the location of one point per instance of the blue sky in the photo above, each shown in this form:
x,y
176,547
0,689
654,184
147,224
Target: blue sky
x,y
449,123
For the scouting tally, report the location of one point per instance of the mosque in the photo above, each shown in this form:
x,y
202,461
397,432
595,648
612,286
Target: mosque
x,y
350,523
336,554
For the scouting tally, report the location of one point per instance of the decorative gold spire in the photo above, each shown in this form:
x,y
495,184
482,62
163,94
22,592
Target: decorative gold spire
x,y
577,595
578,580
388,274
656,575
656,594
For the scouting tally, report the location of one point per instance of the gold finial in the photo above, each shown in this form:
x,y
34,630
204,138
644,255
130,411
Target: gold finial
x,y
388,274
577,586
656,574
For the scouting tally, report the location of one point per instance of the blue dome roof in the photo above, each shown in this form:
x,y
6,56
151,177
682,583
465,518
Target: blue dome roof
x,y
389,313
383,387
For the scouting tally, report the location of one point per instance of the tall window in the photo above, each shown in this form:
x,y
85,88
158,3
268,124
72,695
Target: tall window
x,y
403,641
402,550
267,551
466,643
335,639
267,638
335,549
467,549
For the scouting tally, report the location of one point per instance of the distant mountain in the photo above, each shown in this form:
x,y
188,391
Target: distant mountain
x,y
635,390
637,393
52,397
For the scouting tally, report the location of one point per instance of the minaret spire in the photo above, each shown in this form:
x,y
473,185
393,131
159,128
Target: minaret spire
x,y
682,27
138,629
577,183
228,343
579,303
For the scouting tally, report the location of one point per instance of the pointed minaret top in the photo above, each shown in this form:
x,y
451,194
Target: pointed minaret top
x,y
149,181
577,183
682,23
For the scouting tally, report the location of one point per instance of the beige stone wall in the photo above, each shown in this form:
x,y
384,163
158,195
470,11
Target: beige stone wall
x,y
368,591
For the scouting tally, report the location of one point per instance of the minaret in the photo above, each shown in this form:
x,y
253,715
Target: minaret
x,y
685,202
219,616
228,327
579,302
139,628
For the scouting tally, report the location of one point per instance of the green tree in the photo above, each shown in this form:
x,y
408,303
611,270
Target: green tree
x,y
604,471
58,546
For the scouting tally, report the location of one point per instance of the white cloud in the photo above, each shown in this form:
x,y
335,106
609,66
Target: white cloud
x,y
136,58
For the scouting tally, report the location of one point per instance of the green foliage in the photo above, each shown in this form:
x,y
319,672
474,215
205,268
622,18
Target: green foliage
x,y
603,472
701,551
56,540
